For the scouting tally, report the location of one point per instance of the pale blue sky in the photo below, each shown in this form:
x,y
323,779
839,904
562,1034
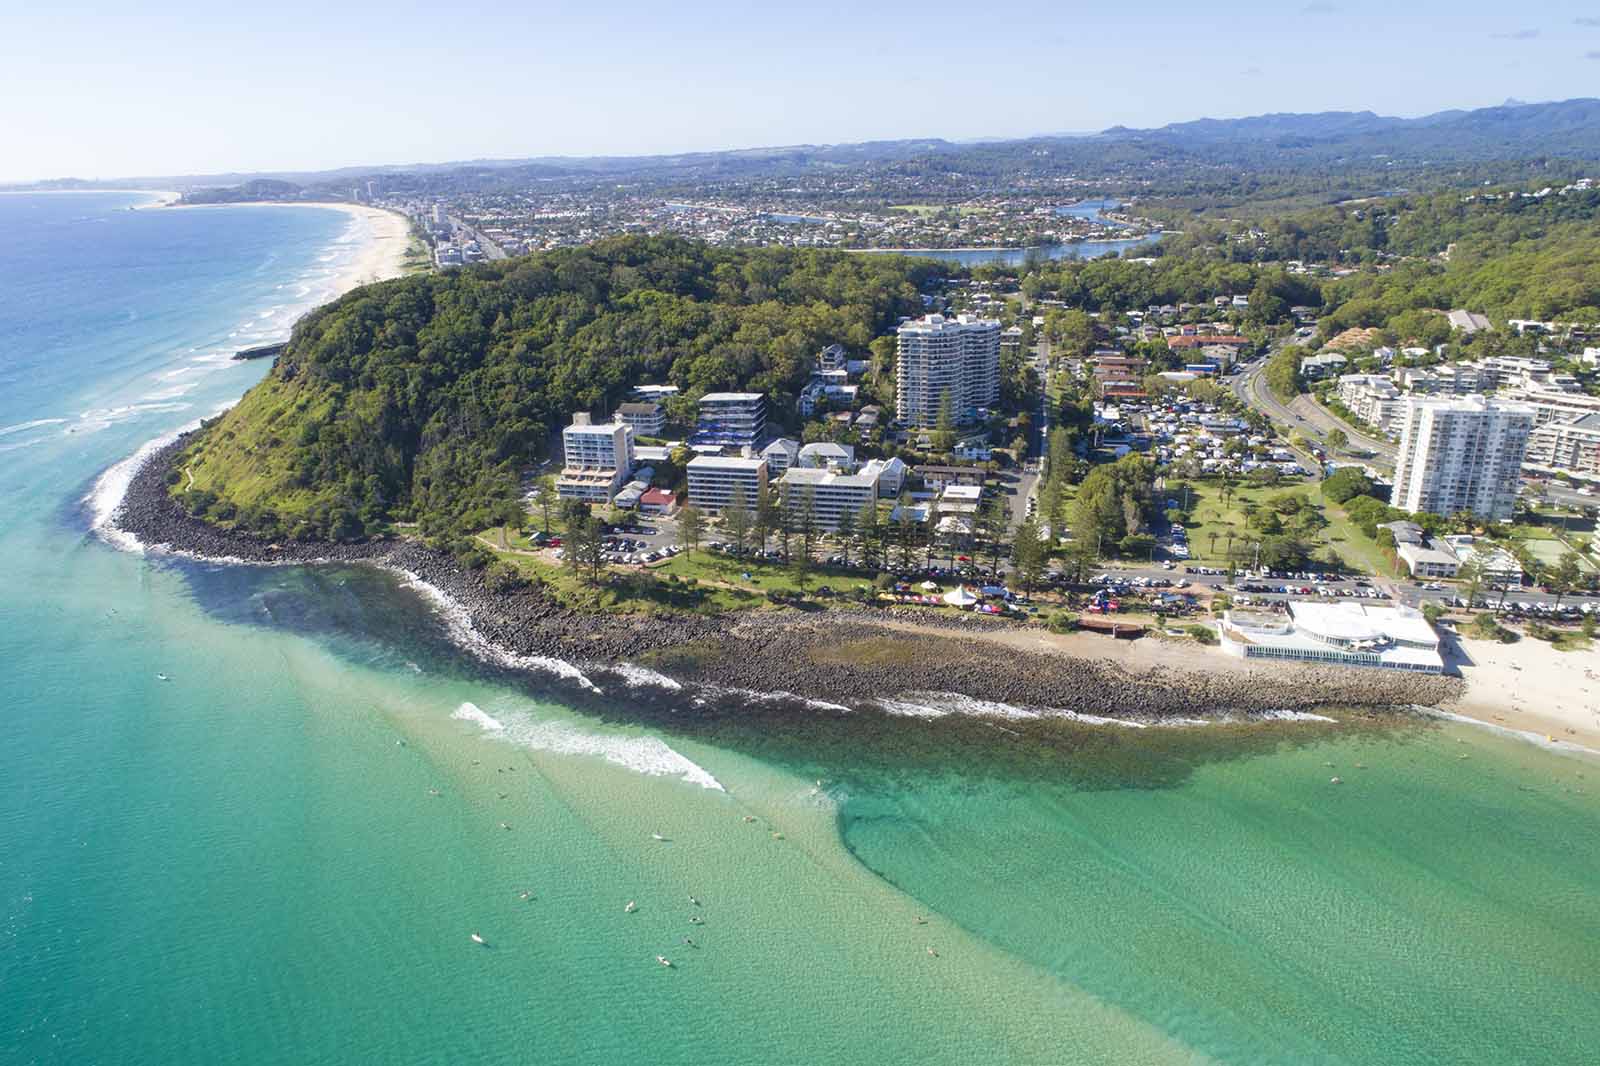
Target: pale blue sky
x,y
99,90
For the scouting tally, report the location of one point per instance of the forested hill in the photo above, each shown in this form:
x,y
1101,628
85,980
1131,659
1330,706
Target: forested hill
x,y
422,398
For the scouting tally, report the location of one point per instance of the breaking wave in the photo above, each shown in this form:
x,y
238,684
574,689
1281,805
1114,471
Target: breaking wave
x,y
641,754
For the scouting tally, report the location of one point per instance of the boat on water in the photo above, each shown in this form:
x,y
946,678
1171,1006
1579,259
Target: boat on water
x,y
476,939
630,908
663,960
657,836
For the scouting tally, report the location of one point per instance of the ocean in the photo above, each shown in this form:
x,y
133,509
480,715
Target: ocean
x,y
253,814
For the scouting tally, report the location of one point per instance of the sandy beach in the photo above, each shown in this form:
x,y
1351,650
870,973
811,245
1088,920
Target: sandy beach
x,y
385,237
1529,687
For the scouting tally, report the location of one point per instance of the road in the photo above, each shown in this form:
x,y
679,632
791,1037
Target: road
x,y
490,249
1304,415
1406,592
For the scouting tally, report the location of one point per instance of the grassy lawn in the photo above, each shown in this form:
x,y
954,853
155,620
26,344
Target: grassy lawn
x,y
702,581
725,570
1212,520
1350,542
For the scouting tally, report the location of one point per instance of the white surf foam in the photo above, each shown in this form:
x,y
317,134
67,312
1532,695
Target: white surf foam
x,y
751,695
23,427
111,487
1539,739
643,754
1095,719
644,677
1295,716
471,712
461,629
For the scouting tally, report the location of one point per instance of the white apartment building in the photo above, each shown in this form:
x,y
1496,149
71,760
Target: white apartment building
x,y
1456,379
713,480
596,460
1374,399
1551,405
955,358
1566,448
1460,455
831,494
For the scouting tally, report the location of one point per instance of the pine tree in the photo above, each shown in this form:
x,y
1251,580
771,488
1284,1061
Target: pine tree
x,y
737,520
845,533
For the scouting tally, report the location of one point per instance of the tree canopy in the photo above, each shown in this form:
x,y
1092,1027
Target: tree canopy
x,y
423,398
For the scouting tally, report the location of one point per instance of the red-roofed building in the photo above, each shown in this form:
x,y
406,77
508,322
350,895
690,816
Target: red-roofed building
x,y
1230,341
657,501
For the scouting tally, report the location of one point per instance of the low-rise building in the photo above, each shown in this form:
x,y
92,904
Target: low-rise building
x,y
654,393
841,457
960,500
1323,364
1468,321
1428,560
781,454
937,477
889,474
1350,634
657,501
715,480
645,419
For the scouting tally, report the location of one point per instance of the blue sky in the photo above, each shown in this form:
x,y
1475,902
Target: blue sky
x,y
98,90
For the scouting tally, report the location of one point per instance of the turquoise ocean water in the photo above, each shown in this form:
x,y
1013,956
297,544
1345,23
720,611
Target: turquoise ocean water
x,y
278,854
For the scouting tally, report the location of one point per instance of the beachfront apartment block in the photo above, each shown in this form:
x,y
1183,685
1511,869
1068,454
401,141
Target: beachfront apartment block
x,y
829,495
731,420
1460,455
596,459
1349,634
645,419
946,360
832,491
715,481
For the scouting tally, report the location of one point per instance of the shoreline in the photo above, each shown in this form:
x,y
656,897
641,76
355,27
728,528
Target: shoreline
x,y
847,658
386,237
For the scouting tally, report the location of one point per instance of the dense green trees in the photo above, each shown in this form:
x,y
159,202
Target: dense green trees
x,y
424,397
1113,503
1345,483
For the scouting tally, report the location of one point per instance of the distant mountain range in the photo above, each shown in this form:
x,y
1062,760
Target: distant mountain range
x,y
1569,128
1564,130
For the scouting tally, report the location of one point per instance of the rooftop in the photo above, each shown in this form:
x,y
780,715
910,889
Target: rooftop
x,y
731,397
725,462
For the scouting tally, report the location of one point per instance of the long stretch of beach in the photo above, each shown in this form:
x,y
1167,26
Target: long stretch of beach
x,y
385,237
385,234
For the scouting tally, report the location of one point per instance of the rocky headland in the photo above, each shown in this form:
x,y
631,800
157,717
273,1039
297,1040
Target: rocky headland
x,y
839,655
